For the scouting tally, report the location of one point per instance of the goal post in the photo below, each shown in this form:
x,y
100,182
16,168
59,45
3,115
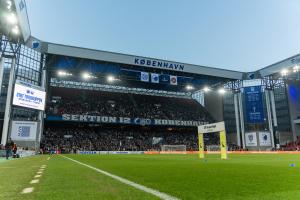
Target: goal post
x,y
173,148
211,128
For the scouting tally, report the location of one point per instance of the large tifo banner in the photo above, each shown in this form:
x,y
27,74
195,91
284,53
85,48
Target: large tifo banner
x,y
28,96
23,131
123,120
254,104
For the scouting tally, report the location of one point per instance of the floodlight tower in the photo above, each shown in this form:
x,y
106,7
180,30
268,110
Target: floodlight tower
x,y
14,31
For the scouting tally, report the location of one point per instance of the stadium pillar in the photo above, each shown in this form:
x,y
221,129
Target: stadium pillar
x,y
1,71
272,98
41,113
240,104
269,114
237,119
9,95
274,114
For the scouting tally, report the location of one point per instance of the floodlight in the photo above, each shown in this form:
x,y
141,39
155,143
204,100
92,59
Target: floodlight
x,y
11,18
296,68
9,4
221,91
15,30
86,75
206,89
189,87
110,78
63,73
284,72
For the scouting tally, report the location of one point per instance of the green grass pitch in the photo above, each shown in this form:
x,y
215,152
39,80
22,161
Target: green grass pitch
x,y
249,176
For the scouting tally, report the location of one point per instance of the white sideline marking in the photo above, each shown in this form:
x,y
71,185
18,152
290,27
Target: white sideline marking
x,y
128,182
42,169
34,181
39,172
37,176
27,190
48,158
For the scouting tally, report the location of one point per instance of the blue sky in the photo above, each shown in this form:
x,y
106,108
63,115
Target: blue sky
x,y
242,35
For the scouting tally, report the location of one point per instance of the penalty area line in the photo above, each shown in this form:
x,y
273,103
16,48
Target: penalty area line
x,y
154,192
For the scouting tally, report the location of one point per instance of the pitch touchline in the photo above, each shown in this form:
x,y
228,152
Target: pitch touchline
x,y
128,182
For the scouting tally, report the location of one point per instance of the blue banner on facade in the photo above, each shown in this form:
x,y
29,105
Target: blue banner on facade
x,y
254,104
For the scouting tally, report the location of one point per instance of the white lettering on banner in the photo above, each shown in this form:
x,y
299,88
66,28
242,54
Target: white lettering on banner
x,y
126,120
74,117
112,120
156,63
29,97
209,128
66,117
93,118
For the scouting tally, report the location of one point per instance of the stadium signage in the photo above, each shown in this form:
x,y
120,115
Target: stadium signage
x,y
24,130
265,139
210,128
109,152
251,139
254,104
158,64
123,120
29,96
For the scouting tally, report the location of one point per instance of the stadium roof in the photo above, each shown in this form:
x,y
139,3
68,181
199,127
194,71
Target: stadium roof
x,y
278,66
59,49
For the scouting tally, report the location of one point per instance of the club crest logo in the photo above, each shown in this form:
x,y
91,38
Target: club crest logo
x,y
29,92
250,137
265,137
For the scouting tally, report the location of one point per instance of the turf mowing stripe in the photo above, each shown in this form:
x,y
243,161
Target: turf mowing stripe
x,y
157,193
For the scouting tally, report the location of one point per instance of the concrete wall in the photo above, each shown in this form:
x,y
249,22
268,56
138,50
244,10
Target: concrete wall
x,y
213,103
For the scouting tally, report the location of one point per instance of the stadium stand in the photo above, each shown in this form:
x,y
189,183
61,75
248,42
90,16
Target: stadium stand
x,y
74,101
71,137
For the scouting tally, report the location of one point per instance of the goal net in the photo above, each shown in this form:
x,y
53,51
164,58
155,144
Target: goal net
x,y
173,148
212,143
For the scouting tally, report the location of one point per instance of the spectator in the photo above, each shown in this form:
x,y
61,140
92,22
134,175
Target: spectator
x,y
8,148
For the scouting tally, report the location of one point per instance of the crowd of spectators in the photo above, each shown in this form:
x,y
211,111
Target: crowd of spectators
x,y
99,139
74,101
292,146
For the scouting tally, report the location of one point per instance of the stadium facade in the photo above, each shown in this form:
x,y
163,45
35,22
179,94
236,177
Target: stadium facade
x,y
261,109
